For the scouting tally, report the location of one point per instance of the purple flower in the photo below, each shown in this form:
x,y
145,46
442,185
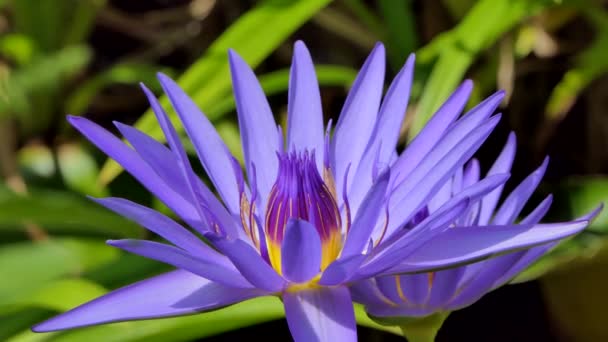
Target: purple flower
x,y
445,290
317,212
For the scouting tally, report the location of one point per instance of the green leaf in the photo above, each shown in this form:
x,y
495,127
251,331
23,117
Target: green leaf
x,y
55,24
590,64
456,50
401,25
580,195
61,295
79,170
18,47
28,267
41,77
254,36
62,212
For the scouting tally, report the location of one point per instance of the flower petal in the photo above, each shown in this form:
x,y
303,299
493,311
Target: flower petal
x,y
432,131
386,133
202,196
161,225
392,251
365,221
304,114
468,244
220,272
432,173
136,166
161,296
256,124
158,156
512,206
358,117
300,251
251,265
320,315
341,270
502,164
210,148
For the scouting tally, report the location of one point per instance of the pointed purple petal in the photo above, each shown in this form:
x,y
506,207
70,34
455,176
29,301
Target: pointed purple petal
x,y
444,285
512,206
391,252
251,265
158,156
433,130
502,164
201,194
161,296
320,315
358,117
300,251
431,174
341,270
137,167
256,124
416,288
366,218
175,144
467,244
210,148
159,224
386,133
304,114
220,272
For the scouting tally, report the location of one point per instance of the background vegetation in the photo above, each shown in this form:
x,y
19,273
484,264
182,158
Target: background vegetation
x,y
85,57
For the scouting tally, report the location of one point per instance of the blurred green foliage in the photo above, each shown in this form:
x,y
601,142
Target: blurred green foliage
x,y
52,251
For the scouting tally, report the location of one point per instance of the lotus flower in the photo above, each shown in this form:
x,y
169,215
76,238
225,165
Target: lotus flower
x,y
315,212
429,293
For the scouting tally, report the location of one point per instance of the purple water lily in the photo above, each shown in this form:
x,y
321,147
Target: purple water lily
x,y
315,212
427,293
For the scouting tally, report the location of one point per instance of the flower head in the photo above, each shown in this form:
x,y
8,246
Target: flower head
x,y
445,290
315,212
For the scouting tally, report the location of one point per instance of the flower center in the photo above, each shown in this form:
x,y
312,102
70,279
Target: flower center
x,y
300,192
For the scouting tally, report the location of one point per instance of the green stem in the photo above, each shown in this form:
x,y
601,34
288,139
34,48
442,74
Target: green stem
x,y
423,329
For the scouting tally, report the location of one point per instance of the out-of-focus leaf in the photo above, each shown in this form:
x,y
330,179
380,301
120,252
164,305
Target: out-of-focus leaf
x,y
54,24
590,64
17,47
581,195
208,80
14,322
366,16
344,26
26,268
456,49
62,212
42,75
36,160
575,295
402,38
82,15
127,73
61,295
79,170
458,8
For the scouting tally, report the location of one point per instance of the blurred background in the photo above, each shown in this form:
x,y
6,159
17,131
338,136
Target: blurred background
x,y
85,57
